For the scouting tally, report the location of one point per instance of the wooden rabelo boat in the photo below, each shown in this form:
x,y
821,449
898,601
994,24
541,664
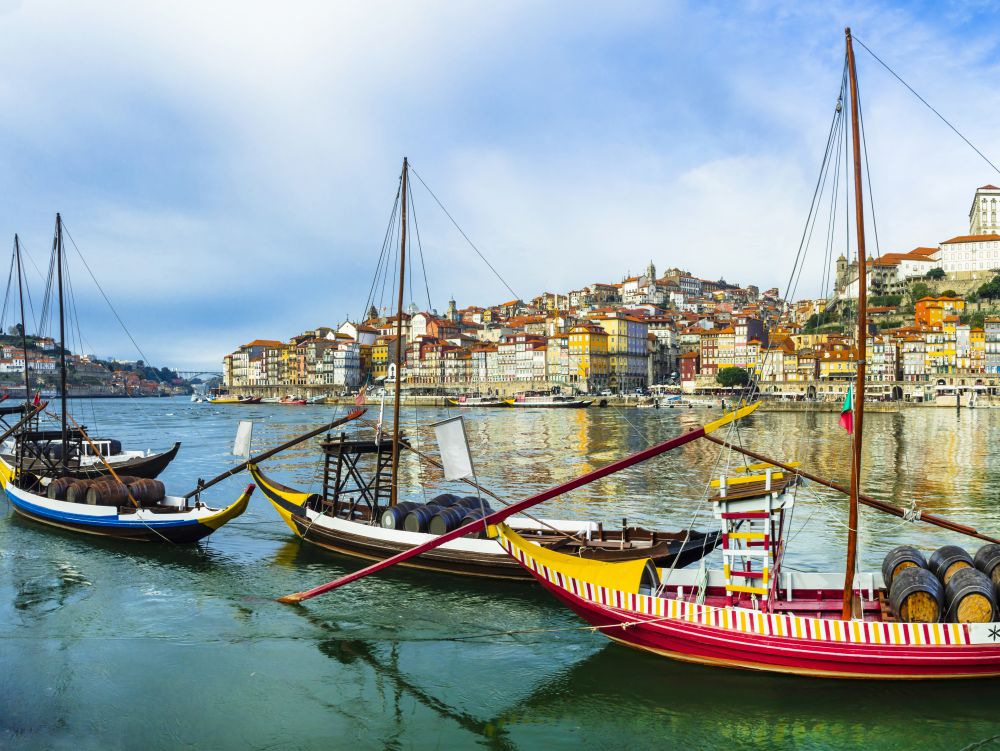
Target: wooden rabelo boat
x,y
548,401
359,514
916,619
39,450
51,476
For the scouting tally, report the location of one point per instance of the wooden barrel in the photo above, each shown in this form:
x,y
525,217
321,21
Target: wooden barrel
x,y
473,515
987,560
948,559
970,597
107,492
444,500
473,502
418,519
446,520
58,487
900,558
393,517
147,492
917,596
77,491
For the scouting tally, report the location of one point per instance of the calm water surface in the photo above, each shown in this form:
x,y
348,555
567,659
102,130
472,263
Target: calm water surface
x,y
110,646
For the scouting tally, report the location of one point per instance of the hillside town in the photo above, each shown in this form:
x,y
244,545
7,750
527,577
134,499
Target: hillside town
x,y
933,330
86,375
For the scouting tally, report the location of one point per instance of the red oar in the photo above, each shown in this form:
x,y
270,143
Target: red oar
x,y
498,516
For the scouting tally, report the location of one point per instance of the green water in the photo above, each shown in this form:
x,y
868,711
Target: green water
x,y
116,646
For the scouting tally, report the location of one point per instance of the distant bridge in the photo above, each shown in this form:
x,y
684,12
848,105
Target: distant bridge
x,y
189,375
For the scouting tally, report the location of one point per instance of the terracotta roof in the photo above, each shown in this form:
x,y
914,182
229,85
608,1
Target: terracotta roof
x,y
971,238
922,252
987,187
265,343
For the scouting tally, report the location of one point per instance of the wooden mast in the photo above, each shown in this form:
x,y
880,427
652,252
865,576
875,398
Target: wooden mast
x,y
862,343
394,484
24,333
62,341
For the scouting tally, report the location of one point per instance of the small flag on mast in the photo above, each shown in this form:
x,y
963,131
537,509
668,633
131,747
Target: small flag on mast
x,y
847,411
37,400
359,400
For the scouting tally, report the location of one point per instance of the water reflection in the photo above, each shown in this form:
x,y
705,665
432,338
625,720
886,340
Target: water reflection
x,y
386,663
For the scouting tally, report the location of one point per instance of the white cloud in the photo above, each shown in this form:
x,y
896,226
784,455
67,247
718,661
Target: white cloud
x,y
229,167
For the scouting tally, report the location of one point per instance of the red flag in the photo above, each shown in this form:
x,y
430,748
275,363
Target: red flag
x,y
37,400
847,411
360,398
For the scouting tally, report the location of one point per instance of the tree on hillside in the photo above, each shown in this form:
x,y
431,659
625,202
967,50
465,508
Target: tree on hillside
x,y
990,290
936,274
733,377
949,293
919,290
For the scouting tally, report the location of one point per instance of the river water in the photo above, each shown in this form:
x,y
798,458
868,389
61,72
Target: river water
x,y
116,646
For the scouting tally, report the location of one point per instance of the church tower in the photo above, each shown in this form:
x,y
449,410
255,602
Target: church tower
x,y
983,214
452,313
651,273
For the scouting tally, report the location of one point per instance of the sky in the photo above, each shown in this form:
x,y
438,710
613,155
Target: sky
x,y
227,169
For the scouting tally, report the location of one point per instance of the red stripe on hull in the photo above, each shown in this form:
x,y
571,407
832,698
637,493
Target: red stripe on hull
x,y
690,642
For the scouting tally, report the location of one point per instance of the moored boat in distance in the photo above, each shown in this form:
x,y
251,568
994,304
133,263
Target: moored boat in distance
x,y
548,401
476,400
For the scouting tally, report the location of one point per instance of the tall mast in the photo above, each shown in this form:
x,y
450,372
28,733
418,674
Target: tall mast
x,y
62,339
24,333
862,342
394,486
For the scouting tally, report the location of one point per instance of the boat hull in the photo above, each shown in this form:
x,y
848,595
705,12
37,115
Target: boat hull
x,y
134,526
466,557
778,643
146,466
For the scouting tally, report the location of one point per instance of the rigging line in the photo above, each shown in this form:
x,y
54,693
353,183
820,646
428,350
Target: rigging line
x,y
6,297
820,180
831,224
471,244
926,104
108,301
420,247
864,147
27,287
385,243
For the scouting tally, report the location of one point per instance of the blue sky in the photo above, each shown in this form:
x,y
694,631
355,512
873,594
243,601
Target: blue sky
x,y
228,168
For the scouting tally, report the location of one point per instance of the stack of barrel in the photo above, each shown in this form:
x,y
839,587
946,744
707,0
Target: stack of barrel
x,y
107,491
443,513
952,586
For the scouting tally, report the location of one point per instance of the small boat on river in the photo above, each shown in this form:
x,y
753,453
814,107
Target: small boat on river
x,y
548,401
476,400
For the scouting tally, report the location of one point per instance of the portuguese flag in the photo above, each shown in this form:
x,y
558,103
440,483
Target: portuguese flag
x,y
847,411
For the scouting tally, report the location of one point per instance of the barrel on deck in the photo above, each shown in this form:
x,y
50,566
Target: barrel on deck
x,y
970,597
917,596
474,502
58,487
987,560
948,559
474,516
444,500
418,519
147,492
393,517
107,492
446,520
899,558
77,491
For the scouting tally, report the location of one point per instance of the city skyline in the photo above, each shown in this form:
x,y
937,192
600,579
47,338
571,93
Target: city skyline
x,y
244,179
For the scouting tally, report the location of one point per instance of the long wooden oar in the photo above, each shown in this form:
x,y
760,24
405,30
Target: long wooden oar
x,y
498,516
888,508
352,415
